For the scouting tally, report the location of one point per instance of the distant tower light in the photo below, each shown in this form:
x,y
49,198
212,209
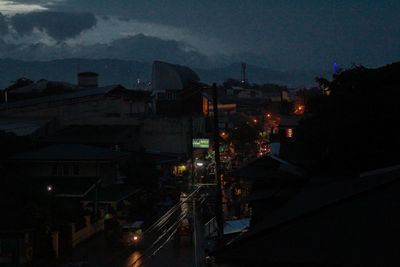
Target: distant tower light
x,y
243,72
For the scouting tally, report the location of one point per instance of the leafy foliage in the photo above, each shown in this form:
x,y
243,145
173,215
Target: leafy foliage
x,y
353,129
243,136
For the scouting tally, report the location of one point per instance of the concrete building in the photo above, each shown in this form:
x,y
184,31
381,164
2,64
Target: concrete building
x,y
105,105
73,161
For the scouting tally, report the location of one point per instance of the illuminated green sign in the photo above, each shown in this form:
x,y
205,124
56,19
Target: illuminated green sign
x,y
201,143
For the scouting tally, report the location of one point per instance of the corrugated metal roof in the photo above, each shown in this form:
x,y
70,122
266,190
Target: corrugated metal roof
x,y
315,197
22,126
54,98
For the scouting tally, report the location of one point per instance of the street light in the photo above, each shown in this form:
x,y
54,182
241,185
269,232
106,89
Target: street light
x,y
49,188
199,164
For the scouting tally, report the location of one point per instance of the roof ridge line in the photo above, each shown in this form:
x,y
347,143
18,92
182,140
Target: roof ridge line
x,y
380,171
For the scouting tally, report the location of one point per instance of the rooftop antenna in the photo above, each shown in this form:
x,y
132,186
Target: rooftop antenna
x,y
243,72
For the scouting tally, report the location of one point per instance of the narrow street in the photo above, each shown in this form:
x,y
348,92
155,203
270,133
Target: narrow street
x,y
165,243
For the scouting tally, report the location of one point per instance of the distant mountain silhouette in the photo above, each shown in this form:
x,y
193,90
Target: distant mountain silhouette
x,y
112,71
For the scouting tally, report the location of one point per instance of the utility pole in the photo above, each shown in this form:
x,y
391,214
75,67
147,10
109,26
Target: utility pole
x,y
191,149
218,205
195,232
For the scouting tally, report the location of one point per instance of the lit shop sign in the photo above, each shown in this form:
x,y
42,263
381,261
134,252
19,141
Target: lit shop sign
x,y
201,143
289,133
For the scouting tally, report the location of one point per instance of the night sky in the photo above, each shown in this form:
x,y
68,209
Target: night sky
x,y
279,34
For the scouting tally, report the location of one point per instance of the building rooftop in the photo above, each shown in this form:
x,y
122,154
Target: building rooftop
x,y
71,152
61,97
346,223
62,186
168,76
112,193
289,120
23,126
42,85
92,134
88,74
268,166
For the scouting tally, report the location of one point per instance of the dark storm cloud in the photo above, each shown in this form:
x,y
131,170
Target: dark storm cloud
x,y
3,25
298,34
58,25
303,33
142,47
139,47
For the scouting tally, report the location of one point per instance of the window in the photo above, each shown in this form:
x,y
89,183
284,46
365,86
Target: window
x,y
171,95
54,170
75,169
66,170
161,96
59,171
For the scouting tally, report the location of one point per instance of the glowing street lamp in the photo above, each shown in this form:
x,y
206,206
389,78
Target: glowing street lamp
x,y
299,109
49,188
199,164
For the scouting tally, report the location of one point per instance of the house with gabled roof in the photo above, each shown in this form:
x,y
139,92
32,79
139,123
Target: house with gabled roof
x,y
70,161
352,221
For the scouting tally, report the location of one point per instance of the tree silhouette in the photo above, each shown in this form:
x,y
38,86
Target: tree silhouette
x,y
352,129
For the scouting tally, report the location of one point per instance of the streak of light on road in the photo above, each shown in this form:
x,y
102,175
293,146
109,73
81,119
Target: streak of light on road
x,y
134,259
167,232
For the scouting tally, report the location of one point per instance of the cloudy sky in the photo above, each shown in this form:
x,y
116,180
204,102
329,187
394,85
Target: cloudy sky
x,y
281,34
